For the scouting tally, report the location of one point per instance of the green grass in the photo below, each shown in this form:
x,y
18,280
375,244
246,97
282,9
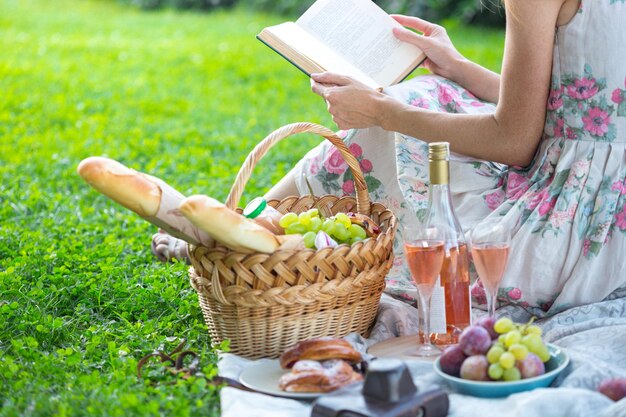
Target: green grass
x,y
182,96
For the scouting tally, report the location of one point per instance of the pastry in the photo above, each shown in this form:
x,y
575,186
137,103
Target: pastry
x,y
313,376
320,349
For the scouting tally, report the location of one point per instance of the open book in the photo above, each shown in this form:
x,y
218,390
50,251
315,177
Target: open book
x,y
348,37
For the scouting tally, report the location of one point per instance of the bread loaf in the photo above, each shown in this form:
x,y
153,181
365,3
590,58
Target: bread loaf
x,y
227,226
150,197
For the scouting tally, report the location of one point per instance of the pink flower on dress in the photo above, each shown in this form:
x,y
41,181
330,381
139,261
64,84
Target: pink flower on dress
x,y
348,187
547,206
596,121
420,102
559,218
477,104
478,292
583,89
618,96
586,247
580,167
356,150
314,168
446,94
559,128
515,294
334,162
516,186
555,100
495,199
366,165
570,133
535,199
618,186
620,219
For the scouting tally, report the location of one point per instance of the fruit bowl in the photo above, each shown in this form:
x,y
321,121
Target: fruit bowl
x,y
491,389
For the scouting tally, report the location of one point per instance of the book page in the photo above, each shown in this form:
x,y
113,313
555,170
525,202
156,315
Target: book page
x,y
308,53
361,32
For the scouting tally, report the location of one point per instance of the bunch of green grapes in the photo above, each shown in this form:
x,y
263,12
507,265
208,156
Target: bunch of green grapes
x,y
510,356
309,223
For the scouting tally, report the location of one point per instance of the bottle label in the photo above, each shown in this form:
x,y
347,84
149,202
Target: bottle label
x,y
438,309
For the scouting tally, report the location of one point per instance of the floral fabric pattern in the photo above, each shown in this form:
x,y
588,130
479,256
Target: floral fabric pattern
x,y
566,210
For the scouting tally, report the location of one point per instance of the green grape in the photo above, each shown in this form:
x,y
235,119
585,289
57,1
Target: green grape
x,y
328,226
296,229
495,371
507,360
543,353
501,339
343,219
503,325
355,239
309,239
512,337
316,224
500,345
494,353
512,374
288,219
304,218
519,351
313,212
532,342
341,232
533,330
357,231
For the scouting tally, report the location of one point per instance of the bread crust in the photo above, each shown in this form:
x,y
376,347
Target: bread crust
x,y
227,226
134,190
320,349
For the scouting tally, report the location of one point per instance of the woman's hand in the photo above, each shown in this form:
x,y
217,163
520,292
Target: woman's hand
x,y
442,57
351,103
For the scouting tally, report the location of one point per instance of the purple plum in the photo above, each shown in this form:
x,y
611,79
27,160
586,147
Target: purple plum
x,y
475,368
475,340
451,360
531,366
488,322
614,388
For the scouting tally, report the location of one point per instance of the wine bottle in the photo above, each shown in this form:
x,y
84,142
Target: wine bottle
x,y
450,302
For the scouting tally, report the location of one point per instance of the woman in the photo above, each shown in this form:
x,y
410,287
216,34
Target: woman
x,y
547,159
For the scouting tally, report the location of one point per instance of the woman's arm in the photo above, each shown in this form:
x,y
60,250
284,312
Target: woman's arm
x,y
510,135
444,59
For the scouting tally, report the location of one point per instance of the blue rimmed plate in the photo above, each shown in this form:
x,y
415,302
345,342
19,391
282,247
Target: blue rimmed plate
x,y
558,361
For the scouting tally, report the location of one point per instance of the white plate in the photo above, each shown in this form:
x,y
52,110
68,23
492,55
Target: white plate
x,y
263,377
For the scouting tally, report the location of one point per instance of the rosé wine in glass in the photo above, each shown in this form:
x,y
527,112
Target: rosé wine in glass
x,y
490,253
424,249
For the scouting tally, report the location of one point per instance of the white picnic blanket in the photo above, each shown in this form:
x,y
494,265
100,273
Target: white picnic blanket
x,y
594,336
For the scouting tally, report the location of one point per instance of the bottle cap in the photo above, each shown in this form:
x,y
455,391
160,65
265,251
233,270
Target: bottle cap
x,y
439,151
255,207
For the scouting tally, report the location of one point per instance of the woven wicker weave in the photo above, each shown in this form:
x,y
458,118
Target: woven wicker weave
x,y
265,303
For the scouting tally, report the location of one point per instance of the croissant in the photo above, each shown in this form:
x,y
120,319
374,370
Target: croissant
x,y
319,349
314,376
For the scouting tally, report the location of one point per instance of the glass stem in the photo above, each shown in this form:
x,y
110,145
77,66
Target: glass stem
x,y
491,303
425,303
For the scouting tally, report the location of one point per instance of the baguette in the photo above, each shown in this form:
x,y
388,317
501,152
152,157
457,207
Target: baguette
x,y
148,196
227,226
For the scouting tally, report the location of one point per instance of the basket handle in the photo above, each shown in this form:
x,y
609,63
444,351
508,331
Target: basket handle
x,y
362,196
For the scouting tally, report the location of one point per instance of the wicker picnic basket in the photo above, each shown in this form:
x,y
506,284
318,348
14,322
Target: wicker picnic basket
x,y
265,303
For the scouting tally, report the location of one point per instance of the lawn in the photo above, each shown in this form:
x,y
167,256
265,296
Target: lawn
x,y
182,96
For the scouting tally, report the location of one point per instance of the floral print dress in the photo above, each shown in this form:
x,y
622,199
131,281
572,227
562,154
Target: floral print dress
x,y
566,211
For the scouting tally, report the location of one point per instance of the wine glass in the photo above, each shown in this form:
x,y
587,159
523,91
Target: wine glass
x,y
490,244
424,249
